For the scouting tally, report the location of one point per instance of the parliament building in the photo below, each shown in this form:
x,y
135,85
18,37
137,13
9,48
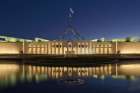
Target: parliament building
x,y
11,45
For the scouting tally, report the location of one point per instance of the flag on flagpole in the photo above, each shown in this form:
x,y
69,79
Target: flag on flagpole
x,y
71,12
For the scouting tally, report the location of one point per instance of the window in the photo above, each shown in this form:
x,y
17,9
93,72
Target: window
x,y
42,46
109,45
30,45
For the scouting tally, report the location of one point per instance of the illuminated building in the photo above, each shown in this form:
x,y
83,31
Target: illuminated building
x,y
80,46
64,47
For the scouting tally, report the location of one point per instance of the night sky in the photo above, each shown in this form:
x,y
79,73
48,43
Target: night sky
x,y
48,18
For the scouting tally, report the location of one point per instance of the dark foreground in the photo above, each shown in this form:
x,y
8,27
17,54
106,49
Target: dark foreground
x,y
118,77
59,57
69,59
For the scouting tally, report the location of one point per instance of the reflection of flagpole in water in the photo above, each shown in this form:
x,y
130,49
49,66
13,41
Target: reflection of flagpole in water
x,y
23,70
116,70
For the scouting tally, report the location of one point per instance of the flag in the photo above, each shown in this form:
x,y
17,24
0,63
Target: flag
x,y
71,12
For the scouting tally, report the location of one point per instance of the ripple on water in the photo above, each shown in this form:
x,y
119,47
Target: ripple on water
x,y
72,81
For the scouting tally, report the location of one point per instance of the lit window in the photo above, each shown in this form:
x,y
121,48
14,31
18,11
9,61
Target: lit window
x,y
98,45
79,46
30,45
70,45
102,45
30,50
109,45
42,45
105,45
56,46
34,45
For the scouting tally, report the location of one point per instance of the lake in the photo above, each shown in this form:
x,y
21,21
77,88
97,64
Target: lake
x,y
121,77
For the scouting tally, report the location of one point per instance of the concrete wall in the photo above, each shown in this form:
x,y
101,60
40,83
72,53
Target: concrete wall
x,y
10,48
129,47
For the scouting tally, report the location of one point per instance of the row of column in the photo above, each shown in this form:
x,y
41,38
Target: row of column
x,y
58,48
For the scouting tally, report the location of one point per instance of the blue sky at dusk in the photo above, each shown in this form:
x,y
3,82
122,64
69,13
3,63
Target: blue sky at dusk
x,y
48,18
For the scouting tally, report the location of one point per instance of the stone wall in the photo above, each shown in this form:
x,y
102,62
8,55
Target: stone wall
x,y
129,47
10,48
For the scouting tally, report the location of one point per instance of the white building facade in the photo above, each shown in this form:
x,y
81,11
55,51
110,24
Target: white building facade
x,y
69,47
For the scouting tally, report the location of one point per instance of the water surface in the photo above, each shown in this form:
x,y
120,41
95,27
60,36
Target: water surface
x,y
122,77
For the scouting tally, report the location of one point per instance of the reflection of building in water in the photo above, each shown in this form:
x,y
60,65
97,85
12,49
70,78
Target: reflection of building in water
x,y
130,69
12,73
60,72
8,74
114,70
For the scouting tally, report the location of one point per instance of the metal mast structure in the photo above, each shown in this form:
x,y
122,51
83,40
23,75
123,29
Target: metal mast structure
x,y
70,28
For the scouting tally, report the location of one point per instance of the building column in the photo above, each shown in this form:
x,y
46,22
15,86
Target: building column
x,y
40,49
76,47
80,48
103,49
91,48
72,48
46,48
35,49
116,47
85,47
51,47
99,50
95,49
107,49
59,44
63,48
23,47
